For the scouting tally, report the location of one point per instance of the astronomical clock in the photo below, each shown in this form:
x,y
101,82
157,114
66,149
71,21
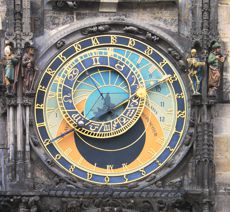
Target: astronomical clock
x,y
105,105
111,109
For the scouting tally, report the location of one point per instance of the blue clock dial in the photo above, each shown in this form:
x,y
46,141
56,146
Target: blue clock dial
x,y
111,109
108,90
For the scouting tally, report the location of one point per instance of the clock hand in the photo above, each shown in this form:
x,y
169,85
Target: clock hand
x,y
141,92
62,135
92,107
95,85
163,79
115,93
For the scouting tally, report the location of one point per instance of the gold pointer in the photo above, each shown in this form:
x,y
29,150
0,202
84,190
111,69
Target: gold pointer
x,y
141,93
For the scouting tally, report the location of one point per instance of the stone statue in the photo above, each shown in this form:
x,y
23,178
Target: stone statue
x,y
215,61
195,71
28,72
9,62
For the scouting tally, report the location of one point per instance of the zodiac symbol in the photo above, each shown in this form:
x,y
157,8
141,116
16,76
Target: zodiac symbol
x,y
67,97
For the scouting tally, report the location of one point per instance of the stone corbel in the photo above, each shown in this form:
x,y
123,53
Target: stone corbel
x,y
10,37
27,38
11,100
28,99
2,106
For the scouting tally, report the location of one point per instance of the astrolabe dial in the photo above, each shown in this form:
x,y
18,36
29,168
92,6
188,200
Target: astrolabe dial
x,y
98,93
111,109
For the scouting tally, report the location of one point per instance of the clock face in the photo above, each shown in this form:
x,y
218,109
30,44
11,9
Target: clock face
x,y
110,109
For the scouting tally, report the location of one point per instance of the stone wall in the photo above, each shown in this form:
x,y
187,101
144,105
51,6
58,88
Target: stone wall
x,y
2,12
222,117
143,13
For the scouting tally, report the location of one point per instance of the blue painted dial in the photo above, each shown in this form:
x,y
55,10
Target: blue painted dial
x,y
111,109
99,105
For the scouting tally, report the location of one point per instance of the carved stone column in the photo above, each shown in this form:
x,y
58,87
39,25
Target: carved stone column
x,y
19,33
20,136
3,143
27,103
19,46
204,33
11,103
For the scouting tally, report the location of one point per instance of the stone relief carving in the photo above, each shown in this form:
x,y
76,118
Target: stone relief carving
x,y
55,20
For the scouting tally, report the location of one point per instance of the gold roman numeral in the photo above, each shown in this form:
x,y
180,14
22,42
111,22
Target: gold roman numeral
x,y
96,61
109,168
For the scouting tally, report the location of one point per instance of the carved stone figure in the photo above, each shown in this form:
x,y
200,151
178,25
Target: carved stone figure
x,y
60,44
131,29
95,29
195,71
215,61
28,69
152,37
9,62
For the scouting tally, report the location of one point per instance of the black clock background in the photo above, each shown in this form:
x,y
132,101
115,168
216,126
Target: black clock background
x,y
131,142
